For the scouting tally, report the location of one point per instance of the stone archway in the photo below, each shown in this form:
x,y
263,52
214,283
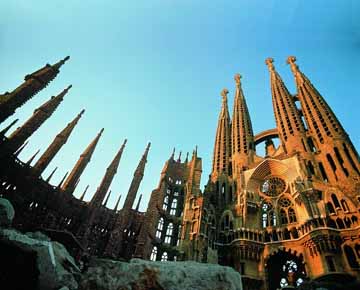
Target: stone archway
x,y
284,269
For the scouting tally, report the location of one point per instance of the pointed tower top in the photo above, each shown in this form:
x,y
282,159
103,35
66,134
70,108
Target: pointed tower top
x,y
117,203
6,129
83,194
172,154
51,175
81,164
224,94
111,170
237,79
270,63
291,61
107,198
179,158
62,180
32,157
61,62
138,203
17,152
187,157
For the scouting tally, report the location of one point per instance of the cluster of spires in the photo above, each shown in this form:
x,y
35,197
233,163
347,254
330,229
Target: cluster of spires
x,y
235,145
172,157
16,142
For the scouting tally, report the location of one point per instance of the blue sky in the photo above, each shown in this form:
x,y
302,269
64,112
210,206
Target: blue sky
x,y
153,71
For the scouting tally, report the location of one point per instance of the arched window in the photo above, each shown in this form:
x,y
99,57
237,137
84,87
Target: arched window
x,y
268,215
283,217
292,215
153,254
160,228
166,201
330,207
350,256
335,201
344,205
173,207
169,232
164,256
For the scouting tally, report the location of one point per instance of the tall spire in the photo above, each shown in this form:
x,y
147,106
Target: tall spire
x,y
117,203
7,128
70,182
17,152
40,115
101,191
32,157
135,183
336,151
179,158
34,82
107,198
83,194
62,180
319,117
241,130
56,145
222,147
288,120
51,175
138,203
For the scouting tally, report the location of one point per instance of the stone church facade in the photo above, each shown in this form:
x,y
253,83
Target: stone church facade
x,y
281,219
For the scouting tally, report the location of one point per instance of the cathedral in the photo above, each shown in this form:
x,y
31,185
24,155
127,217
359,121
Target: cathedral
x,y
282,219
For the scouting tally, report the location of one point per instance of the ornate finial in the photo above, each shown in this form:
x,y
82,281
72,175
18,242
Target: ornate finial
x,y
173,154
125,141
269,62
58,64
224,93
148,146
187,157
291,60
82,112
101,131
237,78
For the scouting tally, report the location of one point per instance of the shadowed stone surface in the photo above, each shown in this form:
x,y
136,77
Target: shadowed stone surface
x,y
33,260
7,213
145,275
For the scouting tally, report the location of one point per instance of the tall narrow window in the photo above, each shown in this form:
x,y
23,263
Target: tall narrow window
x,y
160,228
330,263
335,200
292,215
169,232
330,207
173,207
350,256
344,205
153,254
283,217
166,201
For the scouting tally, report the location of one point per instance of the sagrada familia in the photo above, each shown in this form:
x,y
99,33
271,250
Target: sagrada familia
x,y
282,219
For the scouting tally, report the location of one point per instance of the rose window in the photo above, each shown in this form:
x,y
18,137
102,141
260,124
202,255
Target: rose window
x,y
273,186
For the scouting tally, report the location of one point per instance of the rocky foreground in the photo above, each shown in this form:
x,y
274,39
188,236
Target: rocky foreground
x,y
34,261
